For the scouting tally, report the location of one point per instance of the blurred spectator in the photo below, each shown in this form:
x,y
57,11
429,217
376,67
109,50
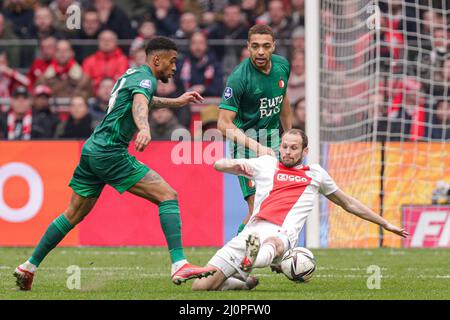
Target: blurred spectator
x,y
299,114
296,83
298,39
108,61
440,129
199,70
64,75
147,31
165,16
112,17
20,13
99,104
407,113
59,9
401,16
43,25
298,13
252,9
188,25
162,124
7,33
207,11
47,48
277,18
441,83
173,89
9,78
90,29
232,27
79,123
42,110
20,123
244,54
137,58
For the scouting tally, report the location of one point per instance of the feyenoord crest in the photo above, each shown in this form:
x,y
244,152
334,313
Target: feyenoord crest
x,y
281,83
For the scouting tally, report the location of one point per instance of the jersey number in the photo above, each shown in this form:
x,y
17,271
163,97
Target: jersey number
x,y
114,93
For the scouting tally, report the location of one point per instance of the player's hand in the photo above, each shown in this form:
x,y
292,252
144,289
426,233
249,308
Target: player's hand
x,y
189,97
262,151
401,232
244,170
142,140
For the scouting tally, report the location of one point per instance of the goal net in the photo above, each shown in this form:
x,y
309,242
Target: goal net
x,y
384,115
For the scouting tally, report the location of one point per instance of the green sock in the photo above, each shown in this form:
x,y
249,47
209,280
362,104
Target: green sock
x,y
56,231
241,227
169,216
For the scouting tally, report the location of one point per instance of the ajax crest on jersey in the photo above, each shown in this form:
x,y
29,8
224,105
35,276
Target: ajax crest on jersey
x,y
281,83
147,84
228,93
298,264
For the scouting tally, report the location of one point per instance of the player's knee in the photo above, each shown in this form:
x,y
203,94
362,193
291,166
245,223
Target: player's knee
x,y
169,194
73,216
279,245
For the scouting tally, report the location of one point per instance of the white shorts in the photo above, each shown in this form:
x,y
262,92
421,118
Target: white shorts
x,y
230,256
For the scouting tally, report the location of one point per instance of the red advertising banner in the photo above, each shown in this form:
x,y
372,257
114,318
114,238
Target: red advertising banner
x,y
428,226
33,189
128,220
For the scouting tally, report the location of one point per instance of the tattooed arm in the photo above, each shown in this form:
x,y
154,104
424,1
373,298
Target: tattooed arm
x,y
184,99
140,117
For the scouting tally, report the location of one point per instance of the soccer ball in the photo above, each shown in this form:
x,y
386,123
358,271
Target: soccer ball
x,y
298,264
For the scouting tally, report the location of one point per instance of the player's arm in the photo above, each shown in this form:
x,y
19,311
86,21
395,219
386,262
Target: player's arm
x,y
355,207
184,99
286,114
234,166
230,131
139,110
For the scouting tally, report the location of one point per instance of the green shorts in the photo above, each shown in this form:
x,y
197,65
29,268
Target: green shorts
x,y
247,187
121,171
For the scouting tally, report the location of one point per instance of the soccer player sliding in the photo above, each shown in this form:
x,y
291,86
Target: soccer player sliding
x,y
285,192
105,160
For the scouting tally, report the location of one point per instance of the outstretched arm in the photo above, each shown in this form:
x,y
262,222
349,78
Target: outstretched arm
x,y
230,131
184,99
355,207
140,117
233,166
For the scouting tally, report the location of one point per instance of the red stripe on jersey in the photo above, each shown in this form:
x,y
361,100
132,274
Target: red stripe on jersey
x,y
288,186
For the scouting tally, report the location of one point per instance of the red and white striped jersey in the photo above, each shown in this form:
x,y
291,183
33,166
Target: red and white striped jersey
x,y
285,196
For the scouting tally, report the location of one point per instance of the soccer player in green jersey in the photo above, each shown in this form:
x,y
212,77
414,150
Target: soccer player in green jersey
x,y
254,103
105,160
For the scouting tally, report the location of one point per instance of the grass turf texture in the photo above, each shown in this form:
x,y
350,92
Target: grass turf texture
x,y
143,273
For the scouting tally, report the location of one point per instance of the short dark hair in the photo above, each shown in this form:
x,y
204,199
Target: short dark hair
x,y
160,43
300,133
261,29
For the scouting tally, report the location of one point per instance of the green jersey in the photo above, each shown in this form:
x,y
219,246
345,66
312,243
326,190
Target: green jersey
x,y
257,99
116,130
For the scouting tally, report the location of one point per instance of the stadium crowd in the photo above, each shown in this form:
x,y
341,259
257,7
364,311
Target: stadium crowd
x,y
55,82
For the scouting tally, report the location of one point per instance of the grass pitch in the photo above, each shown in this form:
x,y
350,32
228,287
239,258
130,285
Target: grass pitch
x,y
143,273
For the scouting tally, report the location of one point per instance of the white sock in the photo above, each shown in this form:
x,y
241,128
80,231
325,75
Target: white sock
x,y
177,265
233,284
28,266
265,255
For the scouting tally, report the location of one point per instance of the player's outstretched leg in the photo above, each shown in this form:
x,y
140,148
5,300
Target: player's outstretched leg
x,y
79,207
252,245
153,188
270,253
